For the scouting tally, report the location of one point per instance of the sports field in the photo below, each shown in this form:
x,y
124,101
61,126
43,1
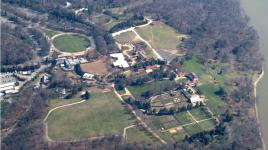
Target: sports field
x,y
102,114
71,43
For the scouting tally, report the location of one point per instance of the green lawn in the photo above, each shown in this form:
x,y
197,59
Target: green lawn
x,y
183,117
199,113
156,86
214,102
139,135
127,37
180,135
192,65
160,36
59,102
102,114
207,125
193,129
71,43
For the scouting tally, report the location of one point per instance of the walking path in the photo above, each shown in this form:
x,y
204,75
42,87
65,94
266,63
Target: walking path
x,y
125,130
138,118
132,29
50,111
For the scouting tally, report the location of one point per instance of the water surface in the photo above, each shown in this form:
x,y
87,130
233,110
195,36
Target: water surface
x,y
257,10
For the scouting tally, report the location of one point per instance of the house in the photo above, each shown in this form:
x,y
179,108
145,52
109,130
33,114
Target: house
x,y
195,98
88,76
45,79
192,77
120,60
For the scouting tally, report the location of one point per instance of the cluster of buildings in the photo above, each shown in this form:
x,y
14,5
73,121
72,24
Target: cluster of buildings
x,y
68,63
8,84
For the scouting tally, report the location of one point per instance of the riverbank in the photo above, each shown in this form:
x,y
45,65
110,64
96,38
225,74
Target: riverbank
x,y
260,76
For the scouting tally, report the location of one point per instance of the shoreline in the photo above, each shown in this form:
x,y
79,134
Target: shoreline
x,y
260,76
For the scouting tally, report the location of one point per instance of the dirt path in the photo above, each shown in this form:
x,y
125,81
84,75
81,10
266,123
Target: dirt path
x,y
67,105
132,29
139,119
125,131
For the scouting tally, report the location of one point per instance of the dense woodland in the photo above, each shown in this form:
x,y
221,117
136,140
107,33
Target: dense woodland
x,y
218,30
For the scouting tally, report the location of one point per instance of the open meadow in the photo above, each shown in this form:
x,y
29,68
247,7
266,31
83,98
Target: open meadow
x,y
160,36
103,114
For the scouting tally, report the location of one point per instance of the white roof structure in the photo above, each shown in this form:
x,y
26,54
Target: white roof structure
x,y
8,88
88,76
120,62
195,98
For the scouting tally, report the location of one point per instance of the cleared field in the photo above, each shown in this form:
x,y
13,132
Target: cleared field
x,y
95,67
156,86
199,113
213,101
180,135
59,102
207,125
71,43
101,19
102,114
183,118
138,135
193,129
127,37
160,36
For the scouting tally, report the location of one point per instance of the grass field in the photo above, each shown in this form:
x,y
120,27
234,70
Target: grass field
x,y
213,101
102,114
59,102
199,113
127,37
71,43
193,129
183,117
160,36
157,86
139,135
207,125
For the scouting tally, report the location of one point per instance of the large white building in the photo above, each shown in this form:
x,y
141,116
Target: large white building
x,y
120,60
9,88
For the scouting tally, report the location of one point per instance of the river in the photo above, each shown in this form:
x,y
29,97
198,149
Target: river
x,y
257,10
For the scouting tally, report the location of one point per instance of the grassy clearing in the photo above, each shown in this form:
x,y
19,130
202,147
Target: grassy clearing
x,y
102,114
127,37
183,118
160,36
180,135
193,129
199,114
213,101
59,102
100,19
207,125
139,135
71,43
156,86
192,65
